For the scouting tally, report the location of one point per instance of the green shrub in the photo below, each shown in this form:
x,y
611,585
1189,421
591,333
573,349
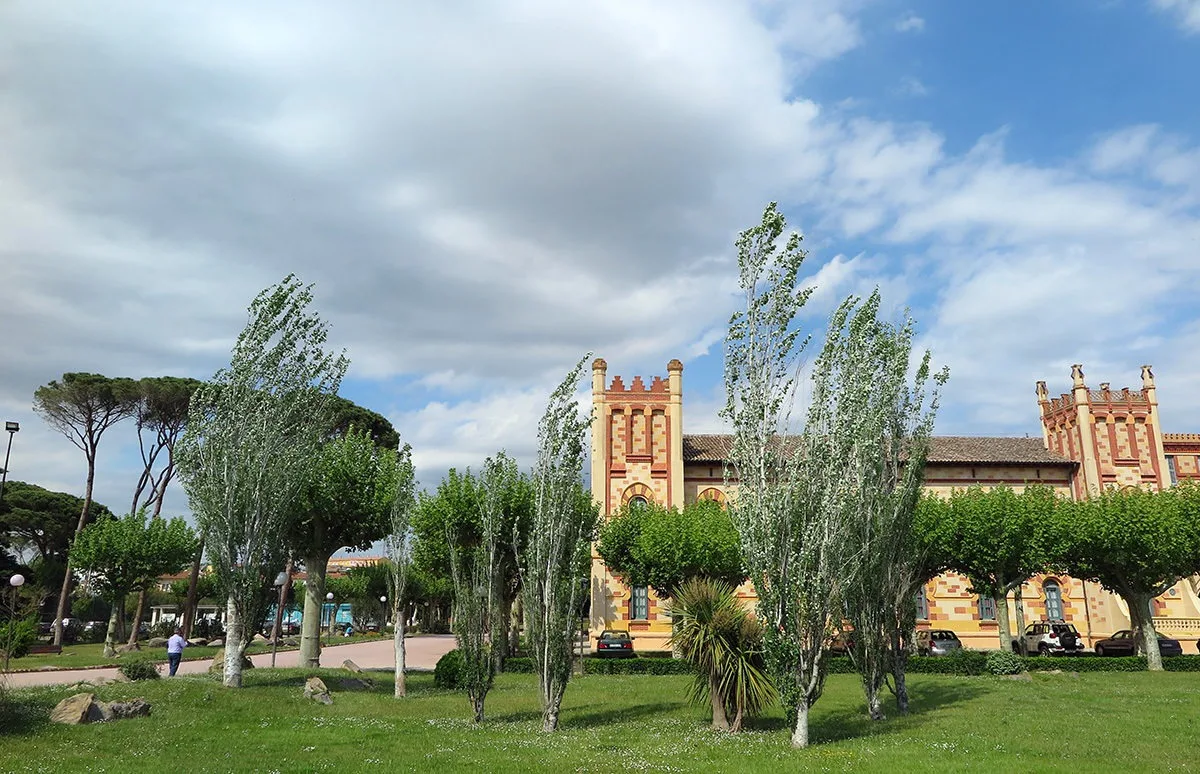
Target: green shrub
x,y
140,669
518,665
17,635
448,673
1004,662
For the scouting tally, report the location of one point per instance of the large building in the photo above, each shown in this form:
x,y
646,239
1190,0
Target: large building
x,y
1091,439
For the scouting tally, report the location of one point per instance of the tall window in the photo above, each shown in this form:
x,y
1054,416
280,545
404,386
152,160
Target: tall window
x,y
1171,469
639,603
987,608
922,605
1054,608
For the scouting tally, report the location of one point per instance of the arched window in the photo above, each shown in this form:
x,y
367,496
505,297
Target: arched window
x,y
712,493
922,605
637,501
1054,607
987,608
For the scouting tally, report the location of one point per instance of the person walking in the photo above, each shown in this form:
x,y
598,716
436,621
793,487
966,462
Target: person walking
x,y
175,646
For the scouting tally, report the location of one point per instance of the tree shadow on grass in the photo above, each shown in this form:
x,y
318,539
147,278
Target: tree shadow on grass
x,y
336,680
591,718
854,723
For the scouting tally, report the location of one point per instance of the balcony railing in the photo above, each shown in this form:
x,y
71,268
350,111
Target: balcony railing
x,y
1177,624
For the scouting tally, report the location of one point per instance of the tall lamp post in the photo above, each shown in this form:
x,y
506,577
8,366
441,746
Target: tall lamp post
x,y
16,581
12,428
383,601
280,583
332,615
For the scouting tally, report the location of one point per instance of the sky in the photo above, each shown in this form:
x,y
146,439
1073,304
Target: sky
x,y
483,193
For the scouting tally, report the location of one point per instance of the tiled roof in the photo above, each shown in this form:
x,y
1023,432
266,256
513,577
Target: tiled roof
x,y
981,450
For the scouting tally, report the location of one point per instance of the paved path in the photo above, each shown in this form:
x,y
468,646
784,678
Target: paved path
x,y
420,653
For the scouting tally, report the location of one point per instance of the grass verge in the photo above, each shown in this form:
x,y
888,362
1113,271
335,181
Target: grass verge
x,y
1087,722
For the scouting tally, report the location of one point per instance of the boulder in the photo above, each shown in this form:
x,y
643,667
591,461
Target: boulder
x,y
216,644
259,638
218,662
1024,677
76,710
156,642
127,648
83,708
314,688
291,642
350,666
198,642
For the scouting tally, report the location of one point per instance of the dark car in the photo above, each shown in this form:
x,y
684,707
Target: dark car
x,y
1127,643
614,644
937,642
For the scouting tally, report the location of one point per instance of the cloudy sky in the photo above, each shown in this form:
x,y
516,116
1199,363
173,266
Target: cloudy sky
x,y
482,192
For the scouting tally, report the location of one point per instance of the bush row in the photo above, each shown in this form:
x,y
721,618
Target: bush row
x,y
962,663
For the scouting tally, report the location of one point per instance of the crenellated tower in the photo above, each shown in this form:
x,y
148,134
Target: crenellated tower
x,y
637,439
1115,435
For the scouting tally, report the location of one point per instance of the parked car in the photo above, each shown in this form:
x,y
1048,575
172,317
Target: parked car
x,y
1051,638
1127,643
614,644
937,642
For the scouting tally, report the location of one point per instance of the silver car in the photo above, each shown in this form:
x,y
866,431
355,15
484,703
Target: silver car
x,y
937,642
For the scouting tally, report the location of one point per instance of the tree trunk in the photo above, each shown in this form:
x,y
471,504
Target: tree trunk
x,y
1022,646
121,618
477,706
314,601
233,645
550,715
110,637
1001,603
64,595
720,721
800,732
736,726
189,606
398,639
1142,612
872,683
514,630
137,617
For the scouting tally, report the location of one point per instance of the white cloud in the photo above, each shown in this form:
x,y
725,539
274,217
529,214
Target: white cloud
x,y
483,197
1186,13
911,86
910,22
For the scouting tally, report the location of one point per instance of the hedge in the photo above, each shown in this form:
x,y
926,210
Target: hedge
x,y
961,662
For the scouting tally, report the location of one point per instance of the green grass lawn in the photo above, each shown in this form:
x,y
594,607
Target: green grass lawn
x,y
78,656
616,724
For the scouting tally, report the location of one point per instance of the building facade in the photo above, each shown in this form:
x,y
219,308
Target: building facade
x,y
1091,439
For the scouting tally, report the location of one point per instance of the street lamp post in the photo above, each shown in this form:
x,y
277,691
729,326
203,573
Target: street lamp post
x,y
383,601
280,583
11,428
16,581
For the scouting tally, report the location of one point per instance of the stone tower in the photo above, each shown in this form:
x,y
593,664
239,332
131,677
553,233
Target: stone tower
x,y
1115,435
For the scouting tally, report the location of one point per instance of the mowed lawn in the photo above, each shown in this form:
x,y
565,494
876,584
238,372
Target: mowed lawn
x,y
614,724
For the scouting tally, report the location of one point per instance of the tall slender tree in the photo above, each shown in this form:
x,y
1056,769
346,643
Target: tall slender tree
x,y
553,558
253,434
867,364
82,407
399,550
161,411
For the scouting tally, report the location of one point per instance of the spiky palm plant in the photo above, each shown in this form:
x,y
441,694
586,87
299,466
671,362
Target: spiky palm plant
x,y
723,640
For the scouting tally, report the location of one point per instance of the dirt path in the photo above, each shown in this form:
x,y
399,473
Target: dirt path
x,y
421,653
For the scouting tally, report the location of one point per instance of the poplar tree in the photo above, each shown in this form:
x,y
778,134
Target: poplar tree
x,y
398,544
553,559
253,433
886,423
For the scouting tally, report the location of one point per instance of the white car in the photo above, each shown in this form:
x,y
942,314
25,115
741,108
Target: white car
x,y
1052,638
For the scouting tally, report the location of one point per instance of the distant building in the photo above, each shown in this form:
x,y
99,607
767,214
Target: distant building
x,y
1091,439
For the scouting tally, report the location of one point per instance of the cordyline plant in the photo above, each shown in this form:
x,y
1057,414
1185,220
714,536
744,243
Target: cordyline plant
x,y
885,423
553,559
253,433
398,544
